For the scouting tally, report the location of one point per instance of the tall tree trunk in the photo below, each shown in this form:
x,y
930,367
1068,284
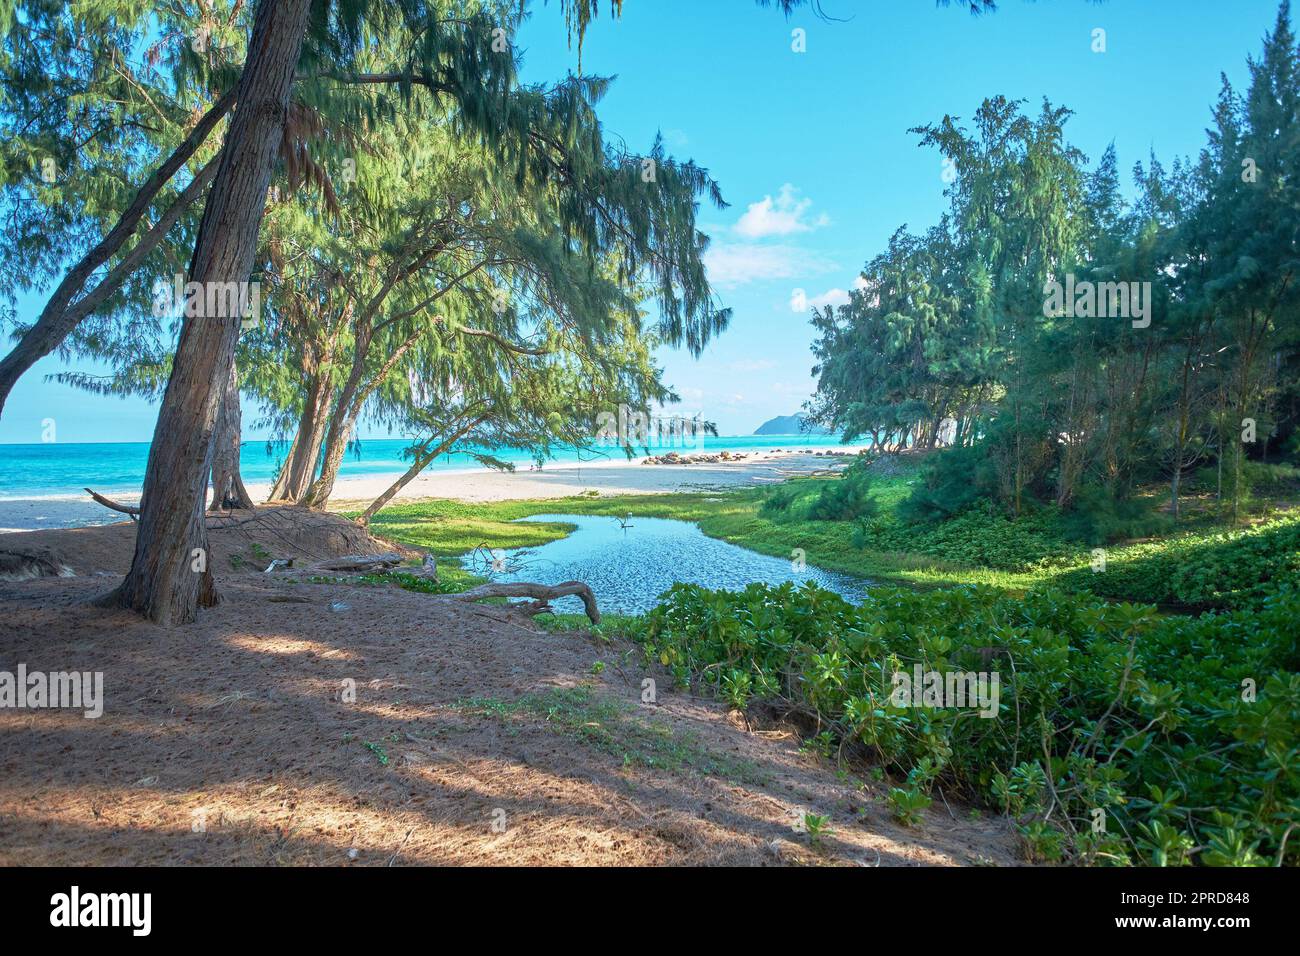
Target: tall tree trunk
x,y
300,466
281,480
1220,434
228,489
341,427
346,411
1184,426
356,390
1019,472
169,577
320,351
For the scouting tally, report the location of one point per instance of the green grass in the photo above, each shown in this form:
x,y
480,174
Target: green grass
x,y
972,549
452,529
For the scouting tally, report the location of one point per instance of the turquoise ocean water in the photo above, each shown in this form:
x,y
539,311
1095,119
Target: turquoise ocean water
x,y
61,469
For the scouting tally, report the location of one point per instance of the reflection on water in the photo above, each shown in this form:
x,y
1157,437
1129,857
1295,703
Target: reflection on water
x,y
628,568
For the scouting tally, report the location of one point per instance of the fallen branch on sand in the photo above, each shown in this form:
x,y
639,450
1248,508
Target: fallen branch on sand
x,y
357,563
112,505
542,595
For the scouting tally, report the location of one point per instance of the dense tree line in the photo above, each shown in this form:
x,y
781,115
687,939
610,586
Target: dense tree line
x,y
1075,344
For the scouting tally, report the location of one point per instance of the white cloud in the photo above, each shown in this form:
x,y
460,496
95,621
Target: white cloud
x,y
835,297
869,289
800,302
732,264
781,216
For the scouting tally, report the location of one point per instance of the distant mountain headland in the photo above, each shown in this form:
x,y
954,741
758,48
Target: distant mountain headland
x,y
790,425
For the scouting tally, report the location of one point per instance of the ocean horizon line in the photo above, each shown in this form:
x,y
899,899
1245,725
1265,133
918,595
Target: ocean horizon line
x,y
60,471
287,441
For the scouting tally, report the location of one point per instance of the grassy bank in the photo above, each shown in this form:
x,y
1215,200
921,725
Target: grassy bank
x,y
456,529
1178,567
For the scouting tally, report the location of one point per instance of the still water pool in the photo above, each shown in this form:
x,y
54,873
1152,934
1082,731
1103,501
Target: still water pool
x,y
628,568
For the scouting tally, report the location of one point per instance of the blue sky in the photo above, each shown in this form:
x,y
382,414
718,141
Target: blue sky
x,y
812,151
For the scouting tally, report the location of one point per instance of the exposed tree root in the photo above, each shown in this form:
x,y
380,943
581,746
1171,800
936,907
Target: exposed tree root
x,y
542,595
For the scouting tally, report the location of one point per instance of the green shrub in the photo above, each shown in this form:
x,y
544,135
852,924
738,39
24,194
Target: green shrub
x,y
1223,569
951,482
1274,480
1098,517
980,536
776,503
1103,707
847,499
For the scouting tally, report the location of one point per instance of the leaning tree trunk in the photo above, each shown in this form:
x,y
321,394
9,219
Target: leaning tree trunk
x,y
281,479
60,315
300,465
347,409
420,462
169,577
341,429
228,489
417,466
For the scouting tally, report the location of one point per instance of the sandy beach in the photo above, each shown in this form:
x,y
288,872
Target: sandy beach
x,y
481,484
184,764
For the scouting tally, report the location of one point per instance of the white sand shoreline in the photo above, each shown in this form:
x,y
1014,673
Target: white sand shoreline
x,y
605,477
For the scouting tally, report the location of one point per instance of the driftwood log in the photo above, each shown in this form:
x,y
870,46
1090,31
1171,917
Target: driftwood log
x,y
112,505
542,595
23,564
357,563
